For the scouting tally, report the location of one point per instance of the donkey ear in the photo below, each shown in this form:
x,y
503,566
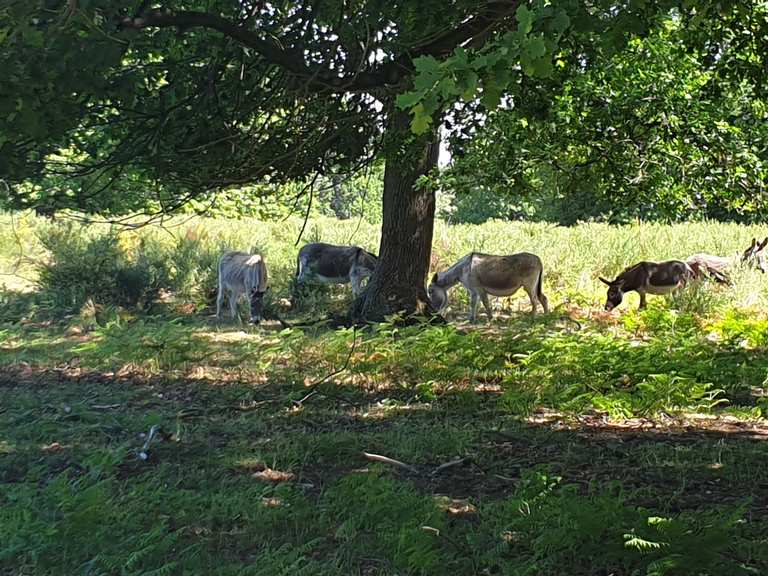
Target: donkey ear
x,y
754,241
763,244
604,281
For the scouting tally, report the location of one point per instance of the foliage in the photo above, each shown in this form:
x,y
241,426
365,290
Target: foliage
x,y
386,518
184,253
656,131
631,364
155,119
201,110
589,493
96,267
85,501
342,196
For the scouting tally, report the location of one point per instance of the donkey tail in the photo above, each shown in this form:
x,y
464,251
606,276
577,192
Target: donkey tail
x,y
540,293
539,282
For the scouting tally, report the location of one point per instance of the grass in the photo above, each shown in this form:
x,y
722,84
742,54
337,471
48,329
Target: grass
x,y
584,442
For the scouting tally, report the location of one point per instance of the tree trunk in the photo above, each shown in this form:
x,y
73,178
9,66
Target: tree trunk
x,y
397,285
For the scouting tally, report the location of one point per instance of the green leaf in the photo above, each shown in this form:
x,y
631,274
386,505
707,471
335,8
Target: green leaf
x,y
428,73
561,21
447,87
525,19
34,38
491,95
409,99
535,47
459,59
466,82
502,73
430,103
421,120
542,68
427,65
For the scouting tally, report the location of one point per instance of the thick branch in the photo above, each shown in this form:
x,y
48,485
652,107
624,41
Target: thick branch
x,y
270,49
477,27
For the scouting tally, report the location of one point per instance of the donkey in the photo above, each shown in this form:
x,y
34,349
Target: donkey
x,y
242,274
647,278
717,267
484,274
330,264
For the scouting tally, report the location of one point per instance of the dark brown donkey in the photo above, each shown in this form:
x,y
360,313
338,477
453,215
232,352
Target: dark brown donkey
x,y
331,264
647,278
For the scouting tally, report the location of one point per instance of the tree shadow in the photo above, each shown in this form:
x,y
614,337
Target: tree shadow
x,y
669,464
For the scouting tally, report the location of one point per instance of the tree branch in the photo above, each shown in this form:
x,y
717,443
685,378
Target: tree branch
x,y
477,28
269,49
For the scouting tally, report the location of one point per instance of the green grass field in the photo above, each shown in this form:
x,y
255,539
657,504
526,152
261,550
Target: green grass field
x,y
577,442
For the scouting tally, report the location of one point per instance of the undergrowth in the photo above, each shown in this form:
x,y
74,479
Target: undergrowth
x,y
565,426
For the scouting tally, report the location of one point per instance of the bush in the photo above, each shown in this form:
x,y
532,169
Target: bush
x,y
83,267
80,266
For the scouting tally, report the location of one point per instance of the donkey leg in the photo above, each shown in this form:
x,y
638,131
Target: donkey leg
x,y
642,300
544,302
487,305
234,298
473,298
355,280
533,298
219,301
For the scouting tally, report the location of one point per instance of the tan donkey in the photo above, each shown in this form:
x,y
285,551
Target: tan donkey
x,y
485,274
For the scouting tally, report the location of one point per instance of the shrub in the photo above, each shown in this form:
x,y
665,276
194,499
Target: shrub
x,y
98,267
80,266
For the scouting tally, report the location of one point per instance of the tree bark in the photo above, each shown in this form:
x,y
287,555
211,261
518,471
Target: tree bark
x,y
397,285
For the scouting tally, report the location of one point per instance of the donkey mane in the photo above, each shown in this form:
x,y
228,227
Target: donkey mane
x,y
452,275
630,268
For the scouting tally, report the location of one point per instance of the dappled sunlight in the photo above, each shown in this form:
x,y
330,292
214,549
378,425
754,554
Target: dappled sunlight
x,y
388,408
453,462
234,336
493,434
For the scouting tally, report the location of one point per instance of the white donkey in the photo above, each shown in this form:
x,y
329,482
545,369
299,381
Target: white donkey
x,y
484,274
241,274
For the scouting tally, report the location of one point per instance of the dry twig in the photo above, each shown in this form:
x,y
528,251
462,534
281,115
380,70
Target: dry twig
x,y
390,461
313,387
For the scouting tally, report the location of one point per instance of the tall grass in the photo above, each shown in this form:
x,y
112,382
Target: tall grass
x,y
573,256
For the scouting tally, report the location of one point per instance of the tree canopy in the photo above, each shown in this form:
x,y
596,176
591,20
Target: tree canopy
x,y
114,105
661,129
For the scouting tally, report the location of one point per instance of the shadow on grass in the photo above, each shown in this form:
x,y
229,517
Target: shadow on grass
x,y
72,441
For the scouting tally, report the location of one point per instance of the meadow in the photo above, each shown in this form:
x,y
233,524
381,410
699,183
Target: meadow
x,y
138,435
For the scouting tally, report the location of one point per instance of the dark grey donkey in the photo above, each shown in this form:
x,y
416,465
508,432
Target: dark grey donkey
x,y
717,267
330,264
648,278
242,274
484,274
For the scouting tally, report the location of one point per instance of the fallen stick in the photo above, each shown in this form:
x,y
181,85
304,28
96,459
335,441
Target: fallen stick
x,y
451,464
105,406
390,461
143,454
313,387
